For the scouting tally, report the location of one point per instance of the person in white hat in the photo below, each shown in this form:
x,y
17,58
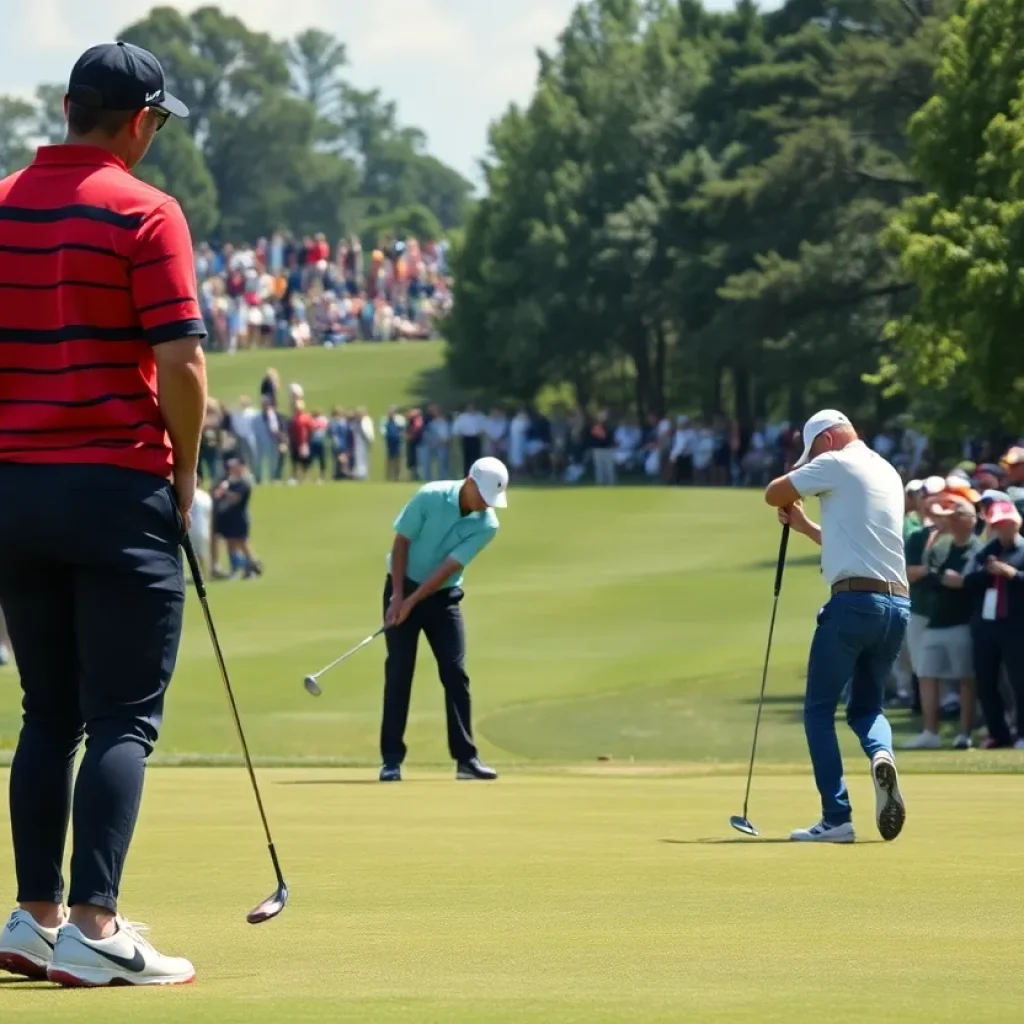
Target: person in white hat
x,y
438,533
861,628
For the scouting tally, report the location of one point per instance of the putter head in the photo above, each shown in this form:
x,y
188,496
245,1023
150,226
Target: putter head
x,y
270,907
312,688
743,825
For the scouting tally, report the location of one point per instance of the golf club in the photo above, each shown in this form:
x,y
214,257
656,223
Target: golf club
x,y
310,682
274,903
741,822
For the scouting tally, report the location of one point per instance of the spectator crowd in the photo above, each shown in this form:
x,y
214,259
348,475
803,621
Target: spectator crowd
x,y
284,292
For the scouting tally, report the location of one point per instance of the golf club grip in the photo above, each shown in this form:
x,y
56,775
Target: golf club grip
x,y
193,564
783,545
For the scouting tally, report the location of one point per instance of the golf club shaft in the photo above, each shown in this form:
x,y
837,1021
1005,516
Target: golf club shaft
x,y
197,578
348,654
783,545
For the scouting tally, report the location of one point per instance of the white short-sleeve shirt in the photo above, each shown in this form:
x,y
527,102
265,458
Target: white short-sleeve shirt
x,y
862,506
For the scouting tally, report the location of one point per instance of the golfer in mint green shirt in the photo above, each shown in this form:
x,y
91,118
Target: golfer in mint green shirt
x,y
438,533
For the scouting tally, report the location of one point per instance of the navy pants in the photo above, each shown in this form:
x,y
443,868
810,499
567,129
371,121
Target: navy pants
x,y
439,618
857,641
92,587
999,643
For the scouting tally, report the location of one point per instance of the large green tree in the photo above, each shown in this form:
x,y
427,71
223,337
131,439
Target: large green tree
x,y
962,242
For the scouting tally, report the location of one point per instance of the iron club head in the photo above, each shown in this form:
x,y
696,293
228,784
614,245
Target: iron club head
x,y
743,825
270,907
312,686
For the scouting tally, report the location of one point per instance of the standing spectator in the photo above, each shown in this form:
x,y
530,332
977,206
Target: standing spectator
x,y
340,431
210,443
995,581
538,444
517,431
270,387
703,455
267,437
469,427
496,430
362,442
681,454
1013,483
627,444
231,520
299,430
437,435
602,450
243,424
946,648
393,429
413,443
318,444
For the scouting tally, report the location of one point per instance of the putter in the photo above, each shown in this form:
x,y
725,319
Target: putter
x,y
741,822
276,901
310,682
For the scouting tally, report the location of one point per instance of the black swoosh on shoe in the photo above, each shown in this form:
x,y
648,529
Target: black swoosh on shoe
x,y
136,964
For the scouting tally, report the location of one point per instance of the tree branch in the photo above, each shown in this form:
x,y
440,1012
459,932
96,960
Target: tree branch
x,y
883,180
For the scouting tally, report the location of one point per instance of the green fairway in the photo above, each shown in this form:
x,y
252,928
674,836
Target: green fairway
x,y
565,898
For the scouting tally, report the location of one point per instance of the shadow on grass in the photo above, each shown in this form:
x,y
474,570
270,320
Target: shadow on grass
x,y
336,782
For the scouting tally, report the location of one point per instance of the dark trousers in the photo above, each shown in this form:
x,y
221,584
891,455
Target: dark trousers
x,y
996,644
92,588
472,449
439,618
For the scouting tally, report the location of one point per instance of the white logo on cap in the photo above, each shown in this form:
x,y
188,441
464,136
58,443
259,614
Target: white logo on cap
x,y
150,96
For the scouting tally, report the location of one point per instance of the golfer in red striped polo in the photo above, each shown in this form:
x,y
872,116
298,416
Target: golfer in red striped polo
x,y
102,396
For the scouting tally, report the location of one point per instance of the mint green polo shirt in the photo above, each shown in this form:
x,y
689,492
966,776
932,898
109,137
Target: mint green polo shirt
x,y
436,529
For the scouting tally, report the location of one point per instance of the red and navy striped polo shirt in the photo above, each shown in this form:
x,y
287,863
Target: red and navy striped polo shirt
x,y
96,267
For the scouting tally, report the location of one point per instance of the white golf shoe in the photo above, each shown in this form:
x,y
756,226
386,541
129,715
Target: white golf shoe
x,y
825,833
890,810
126,958
924,741
26,947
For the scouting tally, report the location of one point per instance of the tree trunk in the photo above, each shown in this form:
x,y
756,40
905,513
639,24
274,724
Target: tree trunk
x,y
797,406
642,365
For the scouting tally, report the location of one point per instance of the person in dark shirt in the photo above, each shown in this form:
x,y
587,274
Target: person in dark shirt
x,y
231,518
946,645
994,579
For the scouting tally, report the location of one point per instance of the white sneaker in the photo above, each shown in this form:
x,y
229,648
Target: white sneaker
x,y
924,741
890,810
126,958
963,742
824,833
26,947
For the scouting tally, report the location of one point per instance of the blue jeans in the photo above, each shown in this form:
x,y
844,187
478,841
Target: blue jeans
x,y
857,641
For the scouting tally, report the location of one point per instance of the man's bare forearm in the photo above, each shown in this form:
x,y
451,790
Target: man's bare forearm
x,y
435,581
399,562
181,393
813,531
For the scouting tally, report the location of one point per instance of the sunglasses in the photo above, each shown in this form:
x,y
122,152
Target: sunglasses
x,y
160,116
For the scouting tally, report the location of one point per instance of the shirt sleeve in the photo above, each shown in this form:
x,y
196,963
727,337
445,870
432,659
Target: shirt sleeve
x,y
817,477
411,519
163,277
470,548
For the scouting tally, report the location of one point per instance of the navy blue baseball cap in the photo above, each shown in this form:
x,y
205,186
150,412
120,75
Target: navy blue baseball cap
x,y
120,76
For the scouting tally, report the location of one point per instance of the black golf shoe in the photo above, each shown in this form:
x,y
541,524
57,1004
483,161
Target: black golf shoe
x,y
391,773
474,769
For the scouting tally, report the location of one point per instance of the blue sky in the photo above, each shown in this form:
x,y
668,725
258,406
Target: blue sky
x,y
451,65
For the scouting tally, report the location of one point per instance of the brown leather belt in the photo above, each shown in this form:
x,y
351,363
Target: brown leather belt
x,y
862,585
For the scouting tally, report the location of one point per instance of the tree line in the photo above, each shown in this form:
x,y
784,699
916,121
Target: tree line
x,y
759,213
277,138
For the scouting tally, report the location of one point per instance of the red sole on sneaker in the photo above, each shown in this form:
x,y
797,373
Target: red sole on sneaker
x,y
15,964
70,981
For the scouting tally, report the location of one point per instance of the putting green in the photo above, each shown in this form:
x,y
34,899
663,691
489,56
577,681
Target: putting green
x,y
568,897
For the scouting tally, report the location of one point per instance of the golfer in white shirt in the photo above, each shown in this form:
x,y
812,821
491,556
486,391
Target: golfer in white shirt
x,y
861,628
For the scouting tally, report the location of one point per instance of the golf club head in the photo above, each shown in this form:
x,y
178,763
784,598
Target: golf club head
x,y
270,907
743,825
312,686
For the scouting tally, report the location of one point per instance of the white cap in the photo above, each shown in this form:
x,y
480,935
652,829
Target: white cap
x,y
818,424
994,495
914,485
491,478
934,485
